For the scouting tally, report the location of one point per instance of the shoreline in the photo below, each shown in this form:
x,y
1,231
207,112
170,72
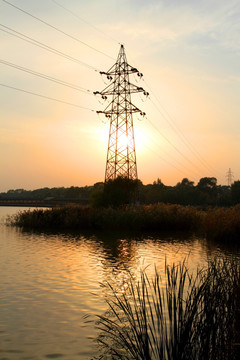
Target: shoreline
x,y
216,223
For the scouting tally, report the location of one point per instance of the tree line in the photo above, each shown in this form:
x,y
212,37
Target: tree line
x,y
122,191
206,192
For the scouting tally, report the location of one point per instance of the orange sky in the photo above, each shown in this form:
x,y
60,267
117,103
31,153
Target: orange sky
x,y
189,55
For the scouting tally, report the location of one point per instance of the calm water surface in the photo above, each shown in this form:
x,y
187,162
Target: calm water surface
x,y
49,283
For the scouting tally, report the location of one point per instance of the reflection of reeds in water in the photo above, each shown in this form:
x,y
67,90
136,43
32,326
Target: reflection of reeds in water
x,y
186,317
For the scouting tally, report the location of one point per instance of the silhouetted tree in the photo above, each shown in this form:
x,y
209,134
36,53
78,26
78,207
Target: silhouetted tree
x,y
185,183
207,187
120,191
207,184
116,192
185,192
158,183
235,192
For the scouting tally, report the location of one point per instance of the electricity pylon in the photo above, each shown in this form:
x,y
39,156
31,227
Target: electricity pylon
x,y
121,153
229,177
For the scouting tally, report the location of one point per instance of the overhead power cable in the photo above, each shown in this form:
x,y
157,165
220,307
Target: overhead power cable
x,y
167,140
156,143
187,143
178,131
86,22
182,136
57,29
45,97
44,46
47,77
167,161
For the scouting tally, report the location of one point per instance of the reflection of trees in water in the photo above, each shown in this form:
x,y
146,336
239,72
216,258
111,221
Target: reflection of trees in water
x,y
117,254
119,248
125,254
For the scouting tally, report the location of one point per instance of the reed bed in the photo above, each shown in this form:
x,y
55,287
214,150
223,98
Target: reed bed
x,y
223,223
217,223
184,317
143,217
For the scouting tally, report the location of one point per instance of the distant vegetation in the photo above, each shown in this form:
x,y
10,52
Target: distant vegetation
x,y
205,193
129,205
59,193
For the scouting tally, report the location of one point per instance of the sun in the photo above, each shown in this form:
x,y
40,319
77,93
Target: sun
x,y
123,141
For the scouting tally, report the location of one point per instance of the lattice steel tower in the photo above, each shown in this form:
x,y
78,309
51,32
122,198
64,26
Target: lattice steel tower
x,y
121,153
229,177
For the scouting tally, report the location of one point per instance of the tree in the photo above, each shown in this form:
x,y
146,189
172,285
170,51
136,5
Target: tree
x,y
116,192
207,188
183,192
207,184
185,183
159,183
235,192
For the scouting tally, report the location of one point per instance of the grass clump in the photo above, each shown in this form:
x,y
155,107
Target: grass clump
x,y
184,317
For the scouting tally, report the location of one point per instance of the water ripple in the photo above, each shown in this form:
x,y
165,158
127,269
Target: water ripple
x,y
52,282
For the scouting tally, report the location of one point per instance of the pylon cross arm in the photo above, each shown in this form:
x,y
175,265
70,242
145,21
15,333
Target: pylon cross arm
x,y
116,70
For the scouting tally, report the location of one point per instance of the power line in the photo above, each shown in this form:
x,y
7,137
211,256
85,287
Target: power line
x,y
44,46
167,161
108,111
178,131
182,136
83,20
166,139
45,97
156,142
187,142
57,29
47,77
61,82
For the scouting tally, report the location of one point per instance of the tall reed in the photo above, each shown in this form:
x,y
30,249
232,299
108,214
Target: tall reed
x,y
184,317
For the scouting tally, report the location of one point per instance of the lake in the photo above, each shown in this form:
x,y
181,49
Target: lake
x,y
51,282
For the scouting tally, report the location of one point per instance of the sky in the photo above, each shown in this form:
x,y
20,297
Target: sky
x,y
189,54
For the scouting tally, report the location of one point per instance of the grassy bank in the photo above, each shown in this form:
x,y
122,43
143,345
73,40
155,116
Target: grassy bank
x,y
183,317
216,223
